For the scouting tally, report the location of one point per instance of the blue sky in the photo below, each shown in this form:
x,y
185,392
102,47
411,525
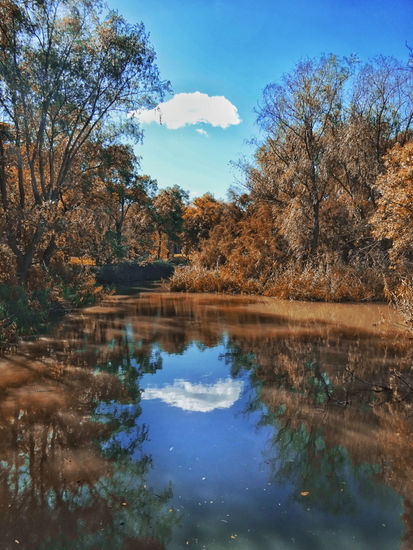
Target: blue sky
x,y
233,48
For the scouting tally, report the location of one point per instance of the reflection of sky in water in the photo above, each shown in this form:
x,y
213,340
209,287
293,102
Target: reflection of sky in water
x,y
197,397
219,464
219,457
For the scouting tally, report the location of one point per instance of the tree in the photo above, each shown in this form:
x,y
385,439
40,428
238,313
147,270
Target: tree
x,y
124,188
380,112
200,217
168,210
393,221
299,118
107,206
393,218
64,73
327,128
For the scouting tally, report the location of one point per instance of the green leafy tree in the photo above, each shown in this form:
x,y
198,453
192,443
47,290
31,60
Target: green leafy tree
x,y
168,211
124,189
64,72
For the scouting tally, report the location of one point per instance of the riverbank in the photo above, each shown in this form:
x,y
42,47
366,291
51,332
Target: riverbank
x,y
320,283
28,313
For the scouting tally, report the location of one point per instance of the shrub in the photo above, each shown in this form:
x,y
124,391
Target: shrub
x,y
22,312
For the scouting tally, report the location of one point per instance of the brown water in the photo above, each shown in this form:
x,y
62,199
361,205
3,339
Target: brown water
x,y
201,421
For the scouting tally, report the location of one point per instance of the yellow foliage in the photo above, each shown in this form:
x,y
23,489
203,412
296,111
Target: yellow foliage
x,y
81,261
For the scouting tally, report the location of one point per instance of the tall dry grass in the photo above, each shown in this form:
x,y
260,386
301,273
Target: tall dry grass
x,y
323,282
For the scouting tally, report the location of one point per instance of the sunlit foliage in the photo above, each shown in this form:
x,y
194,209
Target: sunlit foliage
x,y
64,71
327,214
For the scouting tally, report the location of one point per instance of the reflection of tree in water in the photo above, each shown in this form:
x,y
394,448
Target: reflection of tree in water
x,y
69,479
346,389
319,472
338,398
331,425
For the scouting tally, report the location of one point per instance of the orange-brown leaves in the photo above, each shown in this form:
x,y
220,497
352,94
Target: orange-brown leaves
x,y
394,216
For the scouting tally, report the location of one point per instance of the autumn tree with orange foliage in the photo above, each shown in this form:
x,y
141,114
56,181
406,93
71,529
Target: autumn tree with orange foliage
x,y
393,220
107,207
127,196
69,77
200,217
306,232
300,118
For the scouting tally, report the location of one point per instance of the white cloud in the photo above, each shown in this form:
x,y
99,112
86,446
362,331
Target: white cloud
x,y
202,132
197,397
191,108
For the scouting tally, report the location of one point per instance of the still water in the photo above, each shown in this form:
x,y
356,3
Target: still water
x,y
171,421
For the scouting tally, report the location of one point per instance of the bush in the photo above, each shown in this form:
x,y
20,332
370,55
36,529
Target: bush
x,y
22,312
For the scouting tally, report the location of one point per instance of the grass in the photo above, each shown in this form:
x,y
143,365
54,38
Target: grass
x,y
324,282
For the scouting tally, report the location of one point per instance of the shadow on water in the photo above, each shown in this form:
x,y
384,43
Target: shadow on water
x,y
331,384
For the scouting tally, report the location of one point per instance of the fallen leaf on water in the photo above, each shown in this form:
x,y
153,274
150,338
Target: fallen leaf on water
x,y
304,493
234,536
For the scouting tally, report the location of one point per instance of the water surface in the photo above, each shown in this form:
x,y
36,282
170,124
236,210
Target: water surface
x,y
201,421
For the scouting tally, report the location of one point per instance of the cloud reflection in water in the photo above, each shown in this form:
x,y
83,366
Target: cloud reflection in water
x,y
197,397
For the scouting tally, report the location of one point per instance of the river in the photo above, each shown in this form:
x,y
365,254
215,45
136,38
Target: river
x,y
169,421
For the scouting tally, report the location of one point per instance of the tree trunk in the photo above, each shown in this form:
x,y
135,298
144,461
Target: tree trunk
x,y
23,265
316,228
3,186
159,245
50,250
25,260
118,236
